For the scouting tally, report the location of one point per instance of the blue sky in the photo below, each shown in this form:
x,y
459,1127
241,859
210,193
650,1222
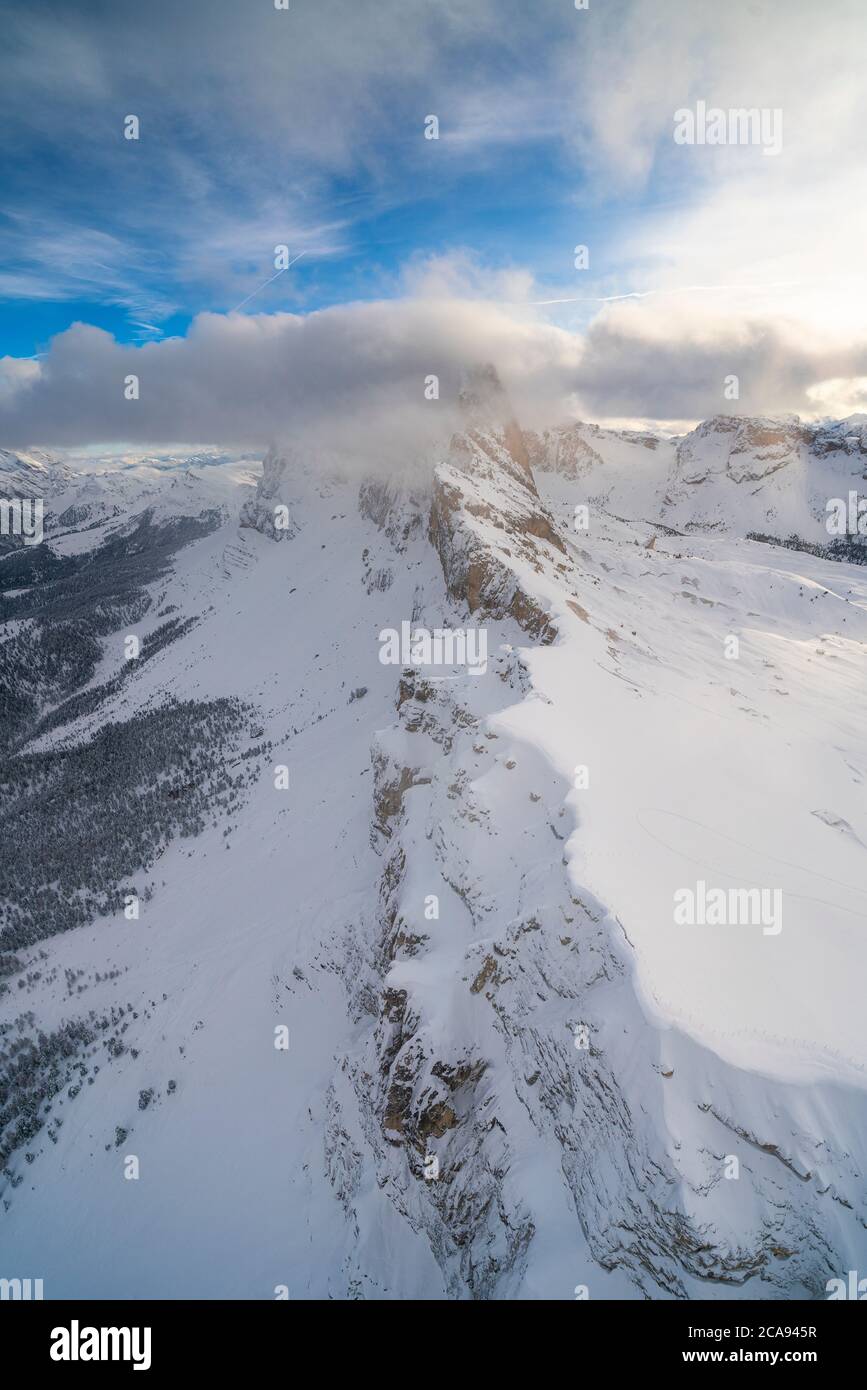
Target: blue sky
x,y
123,233
233,157
305,127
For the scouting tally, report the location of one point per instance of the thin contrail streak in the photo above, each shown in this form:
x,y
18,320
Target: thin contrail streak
x,y
645,294
282,271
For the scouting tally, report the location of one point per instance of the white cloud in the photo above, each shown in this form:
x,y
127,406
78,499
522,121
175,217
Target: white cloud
x,y
351,379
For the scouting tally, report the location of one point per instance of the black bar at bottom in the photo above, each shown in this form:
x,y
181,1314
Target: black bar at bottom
x,y
159,1339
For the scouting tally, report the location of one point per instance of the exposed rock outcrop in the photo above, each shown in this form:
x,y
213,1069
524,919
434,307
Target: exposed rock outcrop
x,y
270,511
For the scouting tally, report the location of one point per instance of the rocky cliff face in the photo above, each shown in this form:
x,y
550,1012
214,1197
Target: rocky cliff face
x,y
743,450
564,450
486,512
270,510
508,1036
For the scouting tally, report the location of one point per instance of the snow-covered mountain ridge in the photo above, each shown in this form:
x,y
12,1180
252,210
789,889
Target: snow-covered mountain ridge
x,y
510,1072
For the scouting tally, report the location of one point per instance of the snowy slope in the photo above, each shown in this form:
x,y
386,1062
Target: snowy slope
x,y
582,1069
31,474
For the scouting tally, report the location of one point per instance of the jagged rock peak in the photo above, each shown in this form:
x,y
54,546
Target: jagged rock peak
x,y
488,414
482,397
269,511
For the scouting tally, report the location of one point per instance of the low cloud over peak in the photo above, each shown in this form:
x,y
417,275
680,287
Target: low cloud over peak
x,y
383,379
